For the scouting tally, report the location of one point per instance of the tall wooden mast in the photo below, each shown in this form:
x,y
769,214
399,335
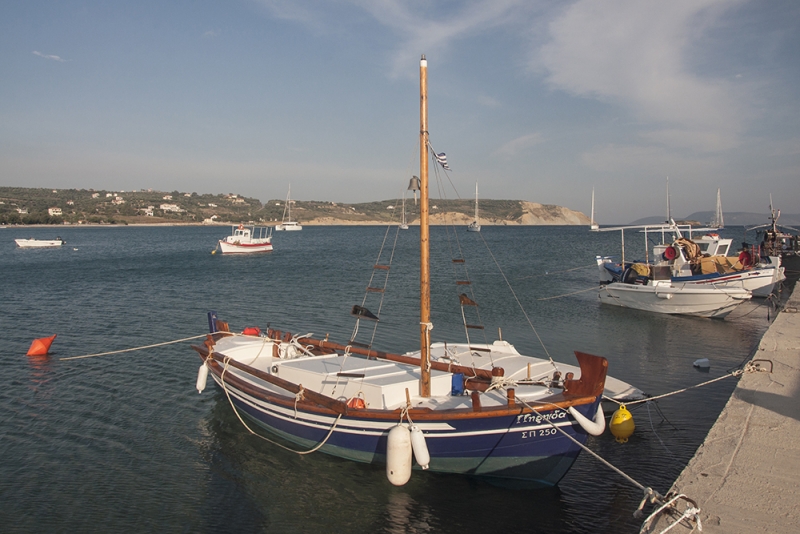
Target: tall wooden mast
x,y
424,237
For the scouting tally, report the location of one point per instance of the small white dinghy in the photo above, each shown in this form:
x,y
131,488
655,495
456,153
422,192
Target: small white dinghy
x,y
39,243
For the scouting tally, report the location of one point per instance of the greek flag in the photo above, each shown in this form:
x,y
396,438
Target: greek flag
x,y
441,157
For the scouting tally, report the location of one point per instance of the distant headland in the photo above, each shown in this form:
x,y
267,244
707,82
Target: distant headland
x,y
20,205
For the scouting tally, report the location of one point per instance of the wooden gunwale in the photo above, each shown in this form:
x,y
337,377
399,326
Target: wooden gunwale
x,y
324,405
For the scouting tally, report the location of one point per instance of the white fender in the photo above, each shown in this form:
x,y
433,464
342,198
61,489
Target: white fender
x,y
202,377
596,427
420,448
398,455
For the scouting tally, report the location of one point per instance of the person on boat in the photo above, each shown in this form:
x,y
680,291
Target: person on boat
x,y
744,257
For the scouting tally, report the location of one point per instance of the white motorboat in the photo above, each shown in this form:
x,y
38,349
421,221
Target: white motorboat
x,y
39,243
247,239
658,286
466,408
287,224
661,296
702,261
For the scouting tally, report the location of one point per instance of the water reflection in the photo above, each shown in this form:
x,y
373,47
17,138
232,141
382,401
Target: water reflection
x,y
41,375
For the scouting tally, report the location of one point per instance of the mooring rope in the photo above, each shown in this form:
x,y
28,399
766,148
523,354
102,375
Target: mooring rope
x,y
649,494
750,367
593,288
132,349
550,273
297,398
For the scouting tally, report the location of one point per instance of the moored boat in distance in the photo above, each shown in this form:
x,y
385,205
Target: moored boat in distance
x,y
287,224
476,409
675,281
704,261
247,239
39,243
475,225
593,226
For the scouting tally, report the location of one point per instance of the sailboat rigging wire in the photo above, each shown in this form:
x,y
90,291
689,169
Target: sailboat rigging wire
x,y
132,349
450,226
372,277
500,269
521,307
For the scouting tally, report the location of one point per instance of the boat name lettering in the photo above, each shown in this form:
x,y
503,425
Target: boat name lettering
x,y
538,418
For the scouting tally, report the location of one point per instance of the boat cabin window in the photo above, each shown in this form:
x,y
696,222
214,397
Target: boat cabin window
x,y
723,250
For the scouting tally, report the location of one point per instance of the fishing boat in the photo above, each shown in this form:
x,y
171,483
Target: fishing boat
x,y
475,225
475,409
702,261
287,224
247,239
39,243
778,240
658,287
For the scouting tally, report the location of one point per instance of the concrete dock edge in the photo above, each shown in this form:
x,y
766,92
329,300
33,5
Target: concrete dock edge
x,y
745,477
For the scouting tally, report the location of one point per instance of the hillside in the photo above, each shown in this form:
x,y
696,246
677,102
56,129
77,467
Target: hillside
x,y
83,206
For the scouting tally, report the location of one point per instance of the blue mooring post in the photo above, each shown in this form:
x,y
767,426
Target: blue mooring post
x,y
212,321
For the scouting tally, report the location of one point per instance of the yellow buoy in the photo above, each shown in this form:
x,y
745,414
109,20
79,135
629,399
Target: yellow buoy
x,y
621,424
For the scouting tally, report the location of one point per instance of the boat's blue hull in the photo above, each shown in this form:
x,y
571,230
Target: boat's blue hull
x,y
514,450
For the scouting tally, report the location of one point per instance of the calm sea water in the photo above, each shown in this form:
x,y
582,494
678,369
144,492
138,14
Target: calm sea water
x,y
124,443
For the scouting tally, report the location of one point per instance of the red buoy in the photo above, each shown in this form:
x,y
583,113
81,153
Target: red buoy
x,y
40,346
670,253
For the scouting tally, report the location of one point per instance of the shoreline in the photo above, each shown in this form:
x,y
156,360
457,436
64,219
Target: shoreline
x,y
220,225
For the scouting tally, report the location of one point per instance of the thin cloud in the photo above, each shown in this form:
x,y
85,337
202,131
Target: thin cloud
x,y
520,144
635,54
421,31
211,34
48,56
419,27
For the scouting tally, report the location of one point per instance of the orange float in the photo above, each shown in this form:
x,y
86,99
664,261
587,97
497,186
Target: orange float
x,y
40,346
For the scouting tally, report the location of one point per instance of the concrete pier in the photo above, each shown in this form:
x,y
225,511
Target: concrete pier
x,y
745,477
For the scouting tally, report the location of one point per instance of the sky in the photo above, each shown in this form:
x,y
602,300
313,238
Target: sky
x,y
534,100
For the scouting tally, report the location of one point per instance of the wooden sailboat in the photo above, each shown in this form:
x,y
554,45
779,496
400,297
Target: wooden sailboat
x,y
475,226
473,409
